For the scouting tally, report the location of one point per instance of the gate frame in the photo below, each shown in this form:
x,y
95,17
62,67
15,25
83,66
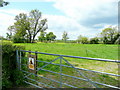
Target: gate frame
x,y
18,57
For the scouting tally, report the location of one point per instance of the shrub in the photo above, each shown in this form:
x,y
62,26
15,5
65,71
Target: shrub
x,y
17,39
94,40
2,38
11,76
71,41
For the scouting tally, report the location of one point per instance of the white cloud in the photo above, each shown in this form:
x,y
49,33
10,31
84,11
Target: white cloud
x,y
86,17
83,17
84,9
100,25
13,12
77,12
58,24
7,19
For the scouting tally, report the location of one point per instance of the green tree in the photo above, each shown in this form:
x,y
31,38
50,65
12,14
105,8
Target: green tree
x,y
50,36
2,38
65,36
3,3
94,40
29,26
109,35
9,35
42,37
20,28
82,39
117,41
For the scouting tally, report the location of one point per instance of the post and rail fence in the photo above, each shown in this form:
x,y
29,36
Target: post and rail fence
x,y
33,70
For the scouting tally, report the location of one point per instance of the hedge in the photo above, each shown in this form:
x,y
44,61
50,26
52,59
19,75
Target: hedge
x,y
11,76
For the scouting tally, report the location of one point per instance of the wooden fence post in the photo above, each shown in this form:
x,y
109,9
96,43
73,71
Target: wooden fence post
x,y
36,65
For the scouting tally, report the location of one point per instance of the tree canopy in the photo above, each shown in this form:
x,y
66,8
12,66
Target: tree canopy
x,y
110,35
28,26
50,36
3,3
42,36
46,37
94,40
82,39
65,36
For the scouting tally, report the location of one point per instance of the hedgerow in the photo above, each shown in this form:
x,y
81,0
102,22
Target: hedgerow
x,y
11,76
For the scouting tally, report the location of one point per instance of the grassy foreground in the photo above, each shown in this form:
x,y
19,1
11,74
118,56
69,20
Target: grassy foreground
x,y
82,50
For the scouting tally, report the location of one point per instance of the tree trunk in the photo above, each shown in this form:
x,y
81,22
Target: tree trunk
x,y
33,39
30,39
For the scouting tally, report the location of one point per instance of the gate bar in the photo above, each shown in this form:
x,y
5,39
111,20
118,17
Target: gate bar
x,y
91,82
81,79
40,82
50,79
20,61
82,69
17,57
32,84
61,72
98,59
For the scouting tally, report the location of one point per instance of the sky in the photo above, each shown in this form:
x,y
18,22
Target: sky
x,y
76,17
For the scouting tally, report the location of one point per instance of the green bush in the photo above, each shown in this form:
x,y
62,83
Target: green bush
x,y
71,41
17,39
94,40
11,76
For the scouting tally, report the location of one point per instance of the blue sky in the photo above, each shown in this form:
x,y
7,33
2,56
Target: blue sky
x,y
46,8
77,17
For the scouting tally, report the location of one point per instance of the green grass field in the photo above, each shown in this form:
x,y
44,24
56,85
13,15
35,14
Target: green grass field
x,y
82,50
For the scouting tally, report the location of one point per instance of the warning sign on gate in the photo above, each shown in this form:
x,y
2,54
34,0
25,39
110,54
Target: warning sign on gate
x,y
31,63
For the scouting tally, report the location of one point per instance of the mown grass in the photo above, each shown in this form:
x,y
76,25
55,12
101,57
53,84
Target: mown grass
x,y
82,50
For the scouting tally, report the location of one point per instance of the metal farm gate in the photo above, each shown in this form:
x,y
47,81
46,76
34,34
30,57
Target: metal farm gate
x,y
59,72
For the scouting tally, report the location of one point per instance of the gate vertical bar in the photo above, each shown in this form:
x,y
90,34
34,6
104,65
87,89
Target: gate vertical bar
x,y
60,72
36,66
36,62
17,57
20,61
